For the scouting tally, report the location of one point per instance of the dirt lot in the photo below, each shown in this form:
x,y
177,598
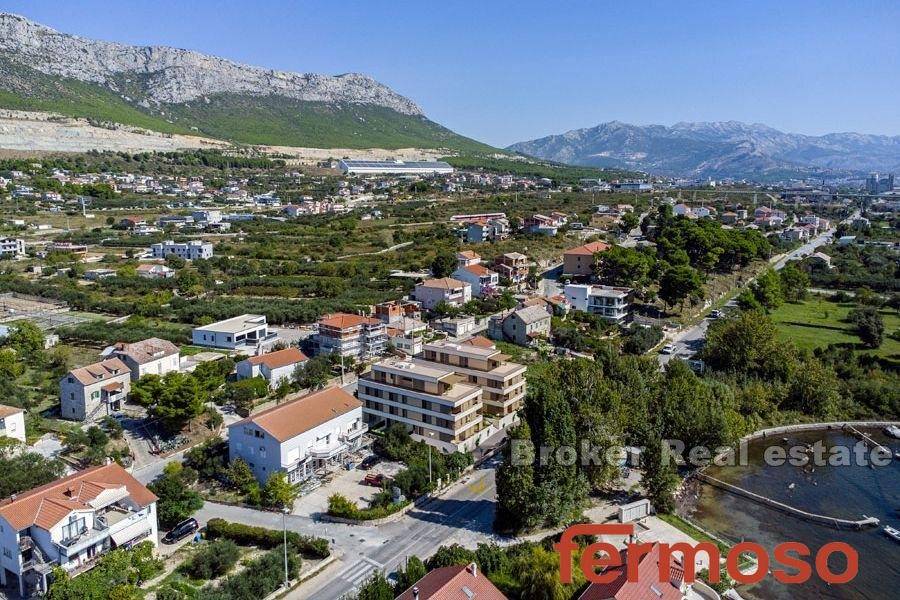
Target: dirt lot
x,y
347,483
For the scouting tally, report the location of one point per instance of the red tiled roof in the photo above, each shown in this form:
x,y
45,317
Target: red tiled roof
x,y
279,358
47,505
346,320
447,283
454,583
111,367
646,587
290,419
480,341
468,254
589,249
8,411
479,270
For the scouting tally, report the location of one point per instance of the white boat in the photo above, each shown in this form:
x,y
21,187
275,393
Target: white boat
x,y
893,431
893,533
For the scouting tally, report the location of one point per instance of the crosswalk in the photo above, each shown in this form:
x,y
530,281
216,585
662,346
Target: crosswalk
x,y
357,573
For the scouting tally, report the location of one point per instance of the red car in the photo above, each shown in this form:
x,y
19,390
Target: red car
x,y
374,479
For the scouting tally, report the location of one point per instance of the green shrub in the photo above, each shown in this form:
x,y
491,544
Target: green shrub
x,y
248,535
212,560
340,506
261,577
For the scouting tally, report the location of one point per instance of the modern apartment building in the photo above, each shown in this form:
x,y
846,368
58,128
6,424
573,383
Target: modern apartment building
x,y
193,250
610,302
70,524
502,382
245,332
12,247
350,335
300,436
431,400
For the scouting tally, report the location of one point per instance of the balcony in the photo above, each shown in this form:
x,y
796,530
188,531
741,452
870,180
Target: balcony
x,y
327,451
88,536
355,432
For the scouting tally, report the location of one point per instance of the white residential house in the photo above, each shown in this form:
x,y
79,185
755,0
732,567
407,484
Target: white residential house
x,y
94,391
275,367
300,436
154,271
470,270
244,332
71,523
153,356
610,302
193,250
12,422
434,291
12,247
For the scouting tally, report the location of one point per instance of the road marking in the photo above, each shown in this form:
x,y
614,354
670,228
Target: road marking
x,y
358,572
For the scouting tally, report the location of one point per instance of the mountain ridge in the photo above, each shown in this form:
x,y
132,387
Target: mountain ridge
x,y
716,149
174,90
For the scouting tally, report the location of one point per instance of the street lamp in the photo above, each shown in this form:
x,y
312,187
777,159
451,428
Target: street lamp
x,y
431,435
284,513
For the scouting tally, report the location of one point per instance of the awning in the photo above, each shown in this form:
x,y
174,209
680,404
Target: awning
x,y
112,387
133,533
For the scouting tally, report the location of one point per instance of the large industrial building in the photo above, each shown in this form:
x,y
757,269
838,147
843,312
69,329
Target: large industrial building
x,y
395,167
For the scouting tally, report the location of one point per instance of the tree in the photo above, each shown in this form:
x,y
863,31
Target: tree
x,y
376,588
176,500
28,341
767,289
313,373
444,263
278,492
623,266
26,471
659,477
678,283
748,343
240,475
175,398
539,569
869,325
415,570
794,283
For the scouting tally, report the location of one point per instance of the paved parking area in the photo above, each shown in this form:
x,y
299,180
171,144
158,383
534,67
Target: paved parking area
x,y
346,483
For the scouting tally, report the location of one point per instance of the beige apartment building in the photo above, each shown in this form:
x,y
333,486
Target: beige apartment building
x,y
502,382
435,403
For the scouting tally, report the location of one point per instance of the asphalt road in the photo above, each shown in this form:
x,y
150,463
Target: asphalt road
x,y
463,515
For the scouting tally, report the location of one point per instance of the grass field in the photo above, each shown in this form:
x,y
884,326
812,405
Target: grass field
x,y
816,323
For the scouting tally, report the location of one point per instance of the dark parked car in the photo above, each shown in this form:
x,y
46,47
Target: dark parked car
x,y
181,531
369,462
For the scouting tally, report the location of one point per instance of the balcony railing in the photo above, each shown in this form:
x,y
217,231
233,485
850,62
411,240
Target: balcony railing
x,y
355,432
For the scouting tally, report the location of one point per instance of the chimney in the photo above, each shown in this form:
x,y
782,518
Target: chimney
x,y
415,593
473,569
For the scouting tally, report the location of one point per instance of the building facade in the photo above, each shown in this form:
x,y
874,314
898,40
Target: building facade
x,y
94,391
71,523
275,367
430,400
502,382
432,292
580,261
610,302
153,356
193,250
246,332
12,247
12,422
299,437
348,335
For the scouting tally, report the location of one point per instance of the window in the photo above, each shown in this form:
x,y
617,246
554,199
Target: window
x,y
7,553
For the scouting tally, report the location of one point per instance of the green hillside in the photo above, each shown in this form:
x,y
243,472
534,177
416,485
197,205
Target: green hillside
x,y
272,120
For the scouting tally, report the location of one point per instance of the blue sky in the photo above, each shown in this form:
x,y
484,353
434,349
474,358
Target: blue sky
x,y
503,71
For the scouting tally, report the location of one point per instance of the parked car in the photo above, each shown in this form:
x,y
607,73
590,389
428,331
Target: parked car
x,y
716,314
181,531
668,349
369,462
374,479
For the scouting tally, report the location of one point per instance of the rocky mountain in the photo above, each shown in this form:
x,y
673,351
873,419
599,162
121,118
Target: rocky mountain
x,y
171,89
717,149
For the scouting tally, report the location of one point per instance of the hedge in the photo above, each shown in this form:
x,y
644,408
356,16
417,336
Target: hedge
x,y
340,506
248,535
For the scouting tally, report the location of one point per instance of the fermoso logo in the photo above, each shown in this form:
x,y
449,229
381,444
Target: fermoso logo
x,y
605,557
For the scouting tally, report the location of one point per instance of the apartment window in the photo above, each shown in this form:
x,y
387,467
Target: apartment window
x,y
7,553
